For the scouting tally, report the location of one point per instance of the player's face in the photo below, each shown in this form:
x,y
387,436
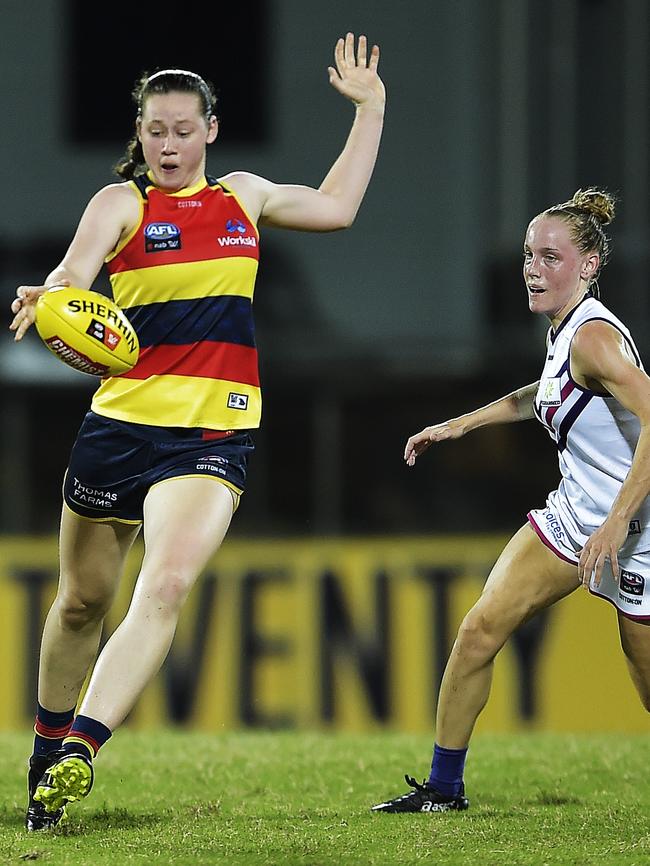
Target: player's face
x,y
174,132
556,273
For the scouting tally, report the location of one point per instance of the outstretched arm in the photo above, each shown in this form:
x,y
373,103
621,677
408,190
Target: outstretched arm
x,y
335,203
517,406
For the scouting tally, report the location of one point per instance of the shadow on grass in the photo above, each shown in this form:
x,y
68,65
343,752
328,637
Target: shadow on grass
x,y
110,819
552,798
504,809
88,822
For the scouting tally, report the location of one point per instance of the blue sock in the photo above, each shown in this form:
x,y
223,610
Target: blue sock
x,y
50,729
86,737
447,769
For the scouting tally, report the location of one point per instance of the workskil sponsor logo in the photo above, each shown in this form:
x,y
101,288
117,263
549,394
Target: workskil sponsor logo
x,y
234,225
236,236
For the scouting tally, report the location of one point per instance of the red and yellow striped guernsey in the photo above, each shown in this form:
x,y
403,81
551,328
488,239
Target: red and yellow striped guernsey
x,y
185,278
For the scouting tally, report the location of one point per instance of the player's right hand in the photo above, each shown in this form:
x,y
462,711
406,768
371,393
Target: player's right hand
x,y
23,307
418,444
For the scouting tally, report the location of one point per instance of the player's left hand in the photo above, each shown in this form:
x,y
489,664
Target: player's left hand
x,y
356,77
603,545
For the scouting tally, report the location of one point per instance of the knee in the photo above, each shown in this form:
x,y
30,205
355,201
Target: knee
x,y
77,609
169,588
478,637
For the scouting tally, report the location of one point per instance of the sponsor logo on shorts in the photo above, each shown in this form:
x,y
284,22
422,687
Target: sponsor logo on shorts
x,y
634,528
553,526
103,334
237,401
631,583
94,496
210,467
159,237
629,600
214,458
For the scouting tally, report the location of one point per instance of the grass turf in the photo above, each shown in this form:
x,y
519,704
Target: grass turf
x,y
278,799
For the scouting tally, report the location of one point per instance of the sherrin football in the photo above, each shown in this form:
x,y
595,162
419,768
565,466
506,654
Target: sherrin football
x,y
87,331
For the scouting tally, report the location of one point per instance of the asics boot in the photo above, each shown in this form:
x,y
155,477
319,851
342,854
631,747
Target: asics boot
x,y
424,798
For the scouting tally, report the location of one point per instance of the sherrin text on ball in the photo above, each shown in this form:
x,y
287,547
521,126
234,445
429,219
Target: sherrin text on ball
x,y
87,331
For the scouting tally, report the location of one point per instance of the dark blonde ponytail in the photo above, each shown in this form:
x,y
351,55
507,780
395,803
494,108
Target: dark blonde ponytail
x,y
587,213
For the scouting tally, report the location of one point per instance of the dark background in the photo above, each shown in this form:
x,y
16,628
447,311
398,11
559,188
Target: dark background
x,y
496,110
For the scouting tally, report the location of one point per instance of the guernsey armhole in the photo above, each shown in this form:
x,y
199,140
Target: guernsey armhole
x,y
229,191
118,249
633,354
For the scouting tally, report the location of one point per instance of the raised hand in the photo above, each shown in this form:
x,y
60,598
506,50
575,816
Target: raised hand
x,y
356,77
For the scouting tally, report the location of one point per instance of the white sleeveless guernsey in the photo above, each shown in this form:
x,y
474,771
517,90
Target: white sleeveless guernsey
x,y
596,438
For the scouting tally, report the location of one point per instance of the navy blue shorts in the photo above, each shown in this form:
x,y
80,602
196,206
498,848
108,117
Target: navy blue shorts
x,y
113,464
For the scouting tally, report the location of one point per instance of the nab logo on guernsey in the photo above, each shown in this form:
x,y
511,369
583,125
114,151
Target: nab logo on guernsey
x,y
236,236
159,237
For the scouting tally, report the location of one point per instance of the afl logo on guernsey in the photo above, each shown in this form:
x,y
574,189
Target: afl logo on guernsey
x,y
161,236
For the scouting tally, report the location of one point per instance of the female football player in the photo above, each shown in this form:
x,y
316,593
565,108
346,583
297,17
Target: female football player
x,y
593,398
165,446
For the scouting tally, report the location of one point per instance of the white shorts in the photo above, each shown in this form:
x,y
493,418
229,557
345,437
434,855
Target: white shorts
x,y
632,594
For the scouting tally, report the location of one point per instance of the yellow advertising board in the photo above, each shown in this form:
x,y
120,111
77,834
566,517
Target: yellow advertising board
x,y
347,634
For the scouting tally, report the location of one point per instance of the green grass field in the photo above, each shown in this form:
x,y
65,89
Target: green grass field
x,y
296,798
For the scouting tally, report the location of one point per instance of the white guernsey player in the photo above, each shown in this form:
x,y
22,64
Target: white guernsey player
x,y
594,399
596,437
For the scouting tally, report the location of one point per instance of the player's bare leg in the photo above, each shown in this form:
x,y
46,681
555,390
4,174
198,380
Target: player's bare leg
x,y
526,578
185,521
92,556
635,640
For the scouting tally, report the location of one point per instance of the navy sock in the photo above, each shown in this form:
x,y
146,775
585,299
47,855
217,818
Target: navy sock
x,y
447,769
86,737
50,729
